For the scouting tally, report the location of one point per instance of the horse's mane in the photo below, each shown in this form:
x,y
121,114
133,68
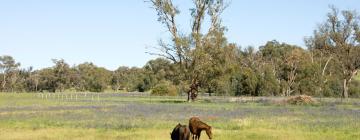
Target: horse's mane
x,y
200,123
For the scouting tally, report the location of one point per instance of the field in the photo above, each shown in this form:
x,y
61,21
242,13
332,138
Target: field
x,y
125,117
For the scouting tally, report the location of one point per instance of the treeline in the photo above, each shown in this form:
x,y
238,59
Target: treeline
x,y
206,63
276,69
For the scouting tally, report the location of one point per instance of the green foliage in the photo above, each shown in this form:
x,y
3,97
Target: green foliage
x,y
61,74
357,77
332,88
93,78
9,73
268,85
354,90
246,83
164,88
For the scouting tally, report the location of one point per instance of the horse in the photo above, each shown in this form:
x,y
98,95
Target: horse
x,y
196,126
180,132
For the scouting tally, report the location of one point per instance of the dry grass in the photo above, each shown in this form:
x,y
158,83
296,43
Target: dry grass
x,y
301,100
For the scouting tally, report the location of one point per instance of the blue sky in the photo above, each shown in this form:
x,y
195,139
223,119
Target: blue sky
x,y
113,33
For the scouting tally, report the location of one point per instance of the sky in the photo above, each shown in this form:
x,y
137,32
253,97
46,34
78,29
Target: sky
x,y
113,33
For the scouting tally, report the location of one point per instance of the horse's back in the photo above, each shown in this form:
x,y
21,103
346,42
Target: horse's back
x,y
180,132
193,122
184,131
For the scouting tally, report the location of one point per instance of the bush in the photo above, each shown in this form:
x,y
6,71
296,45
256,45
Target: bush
x,y
354,89
164,88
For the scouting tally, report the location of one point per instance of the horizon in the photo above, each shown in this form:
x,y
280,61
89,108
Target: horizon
x,y
111,33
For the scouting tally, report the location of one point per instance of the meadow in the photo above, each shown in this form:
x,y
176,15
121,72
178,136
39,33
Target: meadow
x,y
124,116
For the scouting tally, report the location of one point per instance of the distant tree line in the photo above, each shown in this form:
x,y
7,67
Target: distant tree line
x,y
207,63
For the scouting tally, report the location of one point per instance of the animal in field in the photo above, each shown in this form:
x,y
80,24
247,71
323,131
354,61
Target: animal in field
x,y
196,126
180,132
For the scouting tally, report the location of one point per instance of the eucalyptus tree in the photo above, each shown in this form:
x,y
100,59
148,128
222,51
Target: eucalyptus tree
x,y
191,53
93,78
61,72
8,68
286,61
339,38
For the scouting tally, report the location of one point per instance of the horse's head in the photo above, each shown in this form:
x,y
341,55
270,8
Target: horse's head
x,y
209,132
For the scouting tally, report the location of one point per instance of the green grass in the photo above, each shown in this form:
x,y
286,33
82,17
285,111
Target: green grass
x,y
357,77
26,116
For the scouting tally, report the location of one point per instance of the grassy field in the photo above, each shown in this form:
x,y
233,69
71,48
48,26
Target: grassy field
x,y
80,117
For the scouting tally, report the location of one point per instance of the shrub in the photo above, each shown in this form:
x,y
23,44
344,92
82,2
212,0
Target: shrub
x,y
164,88
354,89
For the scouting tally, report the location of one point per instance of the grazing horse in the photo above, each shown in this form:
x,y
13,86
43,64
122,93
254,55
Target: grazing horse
x,y
196,126
180,132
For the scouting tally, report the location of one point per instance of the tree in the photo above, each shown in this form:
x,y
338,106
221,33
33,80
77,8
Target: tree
x,y
31,79
61,72
120,79
288,64
339,38
8,68
159,69
191,53
93,78
47,80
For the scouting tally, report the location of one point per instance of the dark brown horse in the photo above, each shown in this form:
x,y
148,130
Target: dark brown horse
x,y
196,126
180,132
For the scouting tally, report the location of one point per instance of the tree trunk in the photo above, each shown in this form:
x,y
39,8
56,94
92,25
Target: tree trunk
x,y
345,89
4,81
192,93
188,95
288,91
347,82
